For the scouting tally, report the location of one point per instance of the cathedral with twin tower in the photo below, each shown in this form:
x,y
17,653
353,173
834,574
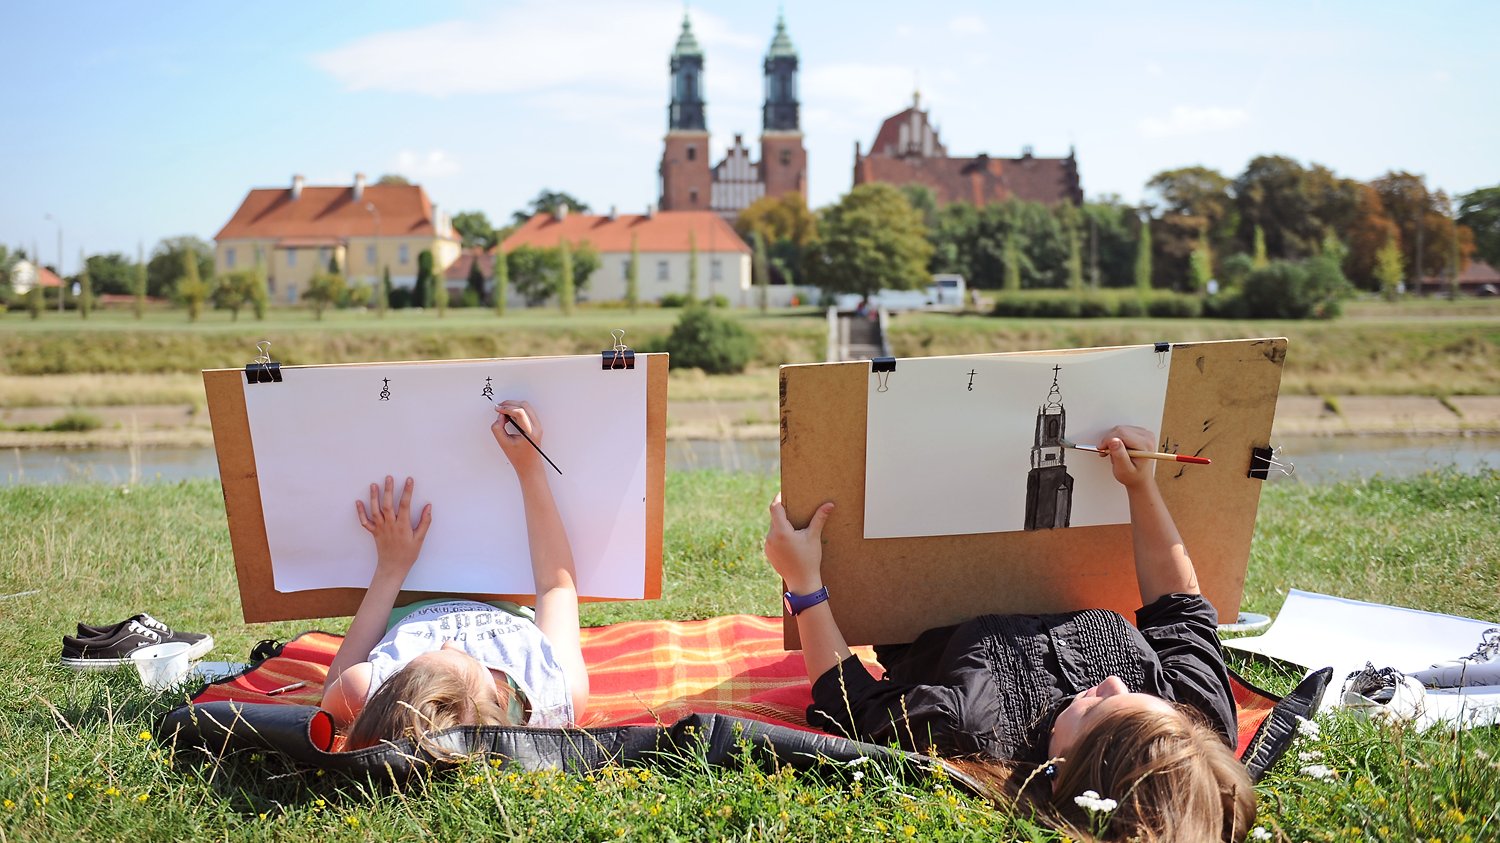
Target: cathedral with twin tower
x,y
688,182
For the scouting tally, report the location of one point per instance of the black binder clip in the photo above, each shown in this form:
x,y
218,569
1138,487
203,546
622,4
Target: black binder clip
x,y
1161,350
881,368
620,356
263,369
1263,461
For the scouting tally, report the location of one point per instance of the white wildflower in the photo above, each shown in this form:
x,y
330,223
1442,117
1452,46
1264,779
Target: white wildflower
x,y
1310,755
1091,801
858,775
1321,772
1308,729
855,762
1259,833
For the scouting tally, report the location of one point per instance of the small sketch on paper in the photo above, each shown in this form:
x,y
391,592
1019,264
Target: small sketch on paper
x,y
1049,486
385,391
971,380
488,391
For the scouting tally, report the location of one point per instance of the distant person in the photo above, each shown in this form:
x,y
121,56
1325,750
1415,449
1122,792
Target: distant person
x,y
1045,708
863,308
436,664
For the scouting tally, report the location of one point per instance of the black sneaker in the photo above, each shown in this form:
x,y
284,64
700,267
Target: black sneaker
x,y
199,643
110,651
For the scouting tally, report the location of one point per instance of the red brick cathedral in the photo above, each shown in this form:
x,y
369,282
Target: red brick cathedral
x,y
688,183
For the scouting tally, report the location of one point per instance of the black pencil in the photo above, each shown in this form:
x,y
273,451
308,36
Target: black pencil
x,y
512,423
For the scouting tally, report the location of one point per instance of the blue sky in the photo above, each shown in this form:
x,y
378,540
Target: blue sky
x,y
129,122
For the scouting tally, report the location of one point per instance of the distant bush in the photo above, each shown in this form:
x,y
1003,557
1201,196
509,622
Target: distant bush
x,y
1226,305
400,298
673,300
1310,289
1130,306
1065,304
703,339
1173,306
718,300
76,422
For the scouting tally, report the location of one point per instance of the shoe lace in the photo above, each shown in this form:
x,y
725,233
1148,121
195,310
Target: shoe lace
x,y
1489,646
145,631
154,623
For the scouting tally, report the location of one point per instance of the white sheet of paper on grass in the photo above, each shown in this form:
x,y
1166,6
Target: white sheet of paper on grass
x,y
941,459
1316,631
323,434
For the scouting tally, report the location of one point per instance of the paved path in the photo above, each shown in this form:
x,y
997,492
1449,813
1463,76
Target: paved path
x,y
1304,415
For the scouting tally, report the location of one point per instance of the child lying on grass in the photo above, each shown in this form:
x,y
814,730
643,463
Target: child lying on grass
x,y
443,663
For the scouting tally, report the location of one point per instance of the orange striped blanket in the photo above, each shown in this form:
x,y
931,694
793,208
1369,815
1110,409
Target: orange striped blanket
x,y
648,672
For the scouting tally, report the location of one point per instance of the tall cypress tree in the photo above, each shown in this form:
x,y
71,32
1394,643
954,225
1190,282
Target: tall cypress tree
x,y
1011,251
85,287
421,293
384,299
633,275
502,281
1143,257
138,283
565,277
692,290
1075,260
1260,259
762,273
260,293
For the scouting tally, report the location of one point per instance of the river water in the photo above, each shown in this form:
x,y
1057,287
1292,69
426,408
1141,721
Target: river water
x,y
1317,459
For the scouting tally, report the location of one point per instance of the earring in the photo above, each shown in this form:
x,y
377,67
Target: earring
x,y
1050,771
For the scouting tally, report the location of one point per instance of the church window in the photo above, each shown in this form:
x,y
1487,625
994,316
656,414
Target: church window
x,y
693,196
662,273
229,257
692,153
786,158
716,270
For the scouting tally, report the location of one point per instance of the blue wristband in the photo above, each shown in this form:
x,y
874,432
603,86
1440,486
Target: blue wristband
x,y
796,604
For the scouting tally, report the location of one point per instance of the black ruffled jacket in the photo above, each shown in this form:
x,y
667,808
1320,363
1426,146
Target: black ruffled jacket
x,y
995,684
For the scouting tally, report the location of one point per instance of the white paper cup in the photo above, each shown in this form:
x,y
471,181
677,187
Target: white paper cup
x,y
162,666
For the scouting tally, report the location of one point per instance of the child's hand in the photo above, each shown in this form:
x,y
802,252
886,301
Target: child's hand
x,y
397,542
523,458
797,555
1130,473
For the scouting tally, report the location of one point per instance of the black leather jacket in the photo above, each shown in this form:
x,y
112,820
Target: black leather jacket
x,y
995,684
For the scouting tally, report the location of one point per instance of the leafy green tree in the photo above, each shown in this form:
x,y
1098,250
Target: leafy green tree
x,y
440,294
1200,269
1275,193
333,263
762,272
1143,256
870,240
323,290
192,291
534,272
1012,261
633,276
85,288
112,274
1422,217
586,262
421,291
502,281
1109,241
1390,269
166,265
565,277
475,230
1480,211
475,280
383,295
233,290
260,289
34,301
787,226
1309,289
549,202
703,339
1075,261
692,288
393,179
1258,253
1234,270
138,282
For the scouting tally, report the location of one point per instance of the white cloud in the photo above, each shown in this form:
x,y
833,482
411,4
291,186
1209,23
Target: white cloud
x,y
1187,120
421,166
968,25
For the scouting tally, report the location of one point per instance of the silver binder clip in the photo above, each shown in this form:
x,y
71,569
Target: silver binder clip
x,y
619,355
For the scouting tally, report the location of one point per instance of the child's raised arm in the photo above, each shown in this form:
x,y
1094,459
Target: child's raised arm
x,y
1162,564
398,542
551,554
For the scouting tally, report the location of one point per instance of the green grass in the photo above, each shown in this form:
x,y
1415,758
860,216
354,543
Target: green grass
x,y
75,764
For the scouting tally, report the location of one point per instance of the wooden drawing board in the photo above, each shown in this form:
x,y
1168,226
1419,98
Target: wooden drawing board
x,y
1220,402
259,599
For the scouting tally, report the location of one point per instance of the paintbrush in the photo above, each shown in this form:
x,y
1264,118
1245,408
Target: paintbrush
x,y
512,422
1142,455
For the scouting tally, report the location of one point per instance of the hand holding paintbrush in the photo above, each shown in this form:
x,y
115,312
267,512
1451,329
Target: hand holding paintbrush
x,y
1141,455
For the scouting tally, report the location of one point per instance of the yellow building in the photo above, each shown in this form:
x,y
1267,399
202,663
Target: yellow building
x,y
294,232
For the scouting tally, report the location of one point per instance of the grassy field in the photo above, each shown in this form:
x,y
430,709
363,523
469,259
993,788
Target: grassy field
x,y
78,762
1406,348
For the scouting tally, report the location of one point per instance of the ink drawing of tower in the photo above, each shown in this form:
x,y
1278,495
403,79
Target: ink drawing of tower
x,y
1049,487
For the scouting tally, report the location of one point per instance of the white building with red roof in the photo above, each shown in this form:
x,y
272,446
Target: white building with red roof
x,y
664,241
294,232
25,275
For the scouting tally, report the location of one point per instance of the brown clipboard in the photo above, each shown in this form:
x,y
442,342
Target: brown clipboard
x,y
1220,403
259,599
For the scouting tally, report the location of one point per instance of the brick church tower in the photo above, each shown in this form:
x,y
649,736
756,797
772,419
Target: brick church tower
x,y
686,183
689,180
783,158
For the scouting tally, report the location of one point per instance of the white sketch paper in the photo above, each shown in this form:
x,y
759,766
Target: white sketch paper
x,y
1316,631
323,434
963,445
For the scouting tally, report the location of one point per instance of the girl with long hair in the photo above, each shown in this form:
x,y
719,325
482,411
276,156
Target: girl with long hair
x,y
423,668
1106,729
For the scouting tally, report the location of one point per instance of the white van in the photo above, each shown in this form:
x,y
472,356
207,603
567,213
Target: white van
x,y
947,291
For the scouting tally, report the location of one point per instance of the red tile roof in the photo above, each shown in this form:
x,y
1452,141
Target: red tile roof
x,y
322,215
459,269
664,231
888,139
46,277
980,180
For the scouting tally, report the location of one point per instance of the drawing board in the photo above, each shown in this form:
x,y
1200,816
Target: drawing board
x,y
294,455
1220,401
972,444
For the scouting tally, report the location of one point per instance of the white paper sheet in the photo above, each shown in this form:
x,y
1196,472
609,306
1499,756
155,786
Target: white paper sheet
x,y
1316,631
944,459
323,435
